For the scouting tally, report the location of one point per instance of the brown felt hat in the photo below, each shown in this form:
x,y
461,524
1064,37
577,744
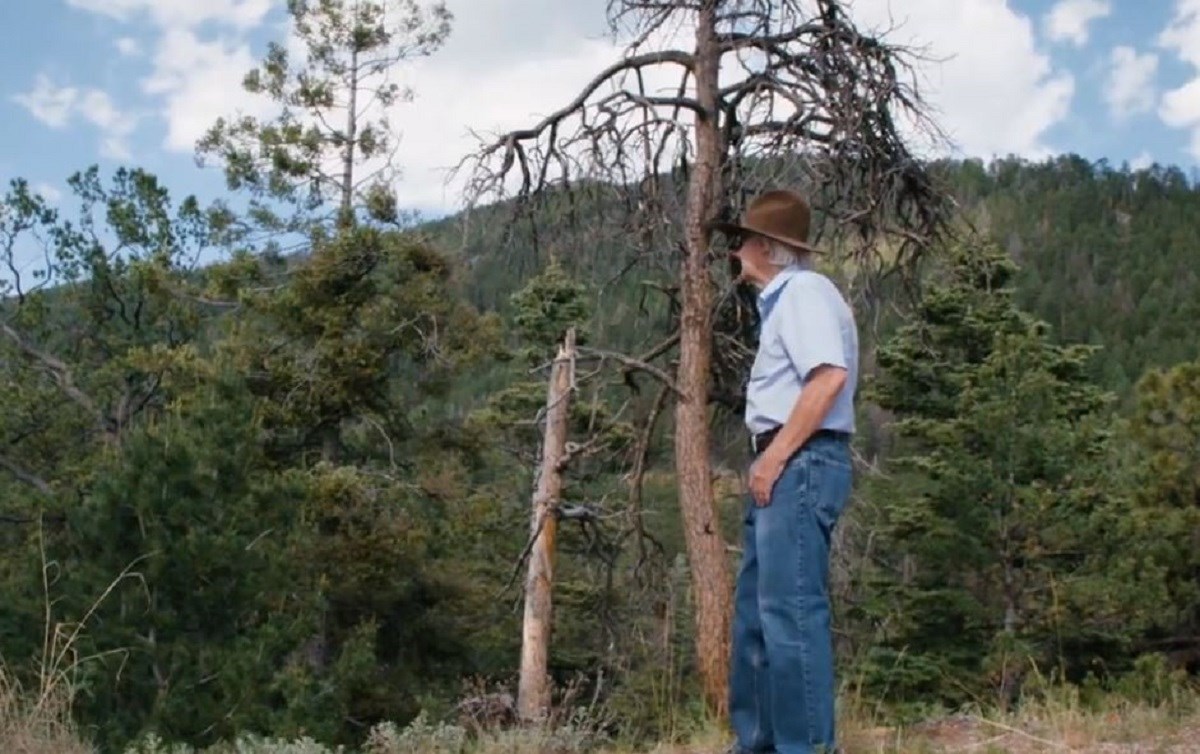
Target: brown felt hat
x,y
780,215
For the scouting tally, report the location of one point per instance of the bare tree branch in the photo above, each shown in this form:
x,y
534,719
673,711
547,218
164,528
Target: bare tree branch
x,y
632,363
641,457
771,43
661,348
54,518
524,556
580,450
26,476
511,145
61,374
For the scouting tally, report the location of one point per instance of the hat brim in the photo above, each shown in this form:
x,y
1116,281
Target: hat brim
x,y
730,229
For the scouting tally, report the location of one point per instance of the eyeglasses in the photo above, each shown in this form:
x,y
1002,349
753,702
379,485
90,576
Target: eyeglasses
x,y
735,241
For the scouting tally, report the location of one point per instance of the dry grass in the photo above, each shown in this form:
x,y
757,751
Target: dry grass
x,y
1057,720
1057,725
38,724
1060,724
1140,730
38,721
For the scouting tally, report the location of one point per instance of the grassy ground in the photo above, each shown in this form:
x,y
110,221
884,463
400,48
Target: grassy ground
x,y
1042,728
33,725
1056,725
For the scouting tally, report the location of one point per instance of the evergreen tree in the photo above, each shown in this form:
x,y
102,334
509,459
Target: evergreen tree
x,y
1154,526
998,432
183,558
347,358
331,138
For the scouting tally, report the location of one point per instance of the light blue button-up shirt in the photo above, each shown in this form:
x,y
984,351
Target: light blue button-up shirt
x,y
806,323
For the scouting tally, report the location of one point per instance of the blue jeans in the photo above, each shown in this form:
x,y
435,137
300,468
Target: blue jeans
x,y
781,683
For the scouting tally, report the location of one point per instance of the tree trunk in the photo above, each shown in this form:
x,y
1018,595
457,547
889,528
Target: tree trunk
x,y
533,690
346,209
711,578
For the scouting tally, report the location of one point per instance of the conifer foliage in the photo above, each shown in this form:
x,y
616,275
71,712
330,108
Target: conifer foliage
x,y
982,524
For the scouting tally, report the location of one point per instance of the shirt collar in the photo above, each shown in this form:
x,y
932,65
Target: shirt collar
x,y
780,278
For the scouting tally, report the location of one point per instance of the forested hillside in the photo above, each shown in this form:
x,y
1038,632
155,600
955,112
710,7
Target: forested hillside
x,y
1107,256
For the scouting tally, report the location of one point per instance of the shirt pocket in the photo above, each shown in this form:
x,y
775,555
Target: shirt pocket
x,y
769,358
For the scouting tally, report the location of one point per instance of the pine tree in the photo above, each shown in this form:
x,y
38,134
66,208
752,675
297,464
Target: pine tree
x,y
1160,525
331,139
998,433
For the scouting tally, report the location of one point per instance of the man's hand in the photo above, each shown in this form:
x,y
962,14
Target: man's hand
x,y
764,474
820,389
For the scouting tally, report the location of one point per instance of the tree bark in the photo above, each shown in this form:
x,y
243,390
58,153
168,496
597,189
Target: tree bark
x,y
346,210
711,578
533,689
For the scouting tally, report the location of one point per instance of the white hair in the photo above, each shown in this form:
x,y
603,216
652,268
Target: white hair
x,y
782,255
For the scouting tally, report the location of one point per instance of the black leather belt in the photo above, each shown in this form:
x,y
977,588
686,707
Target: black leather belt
x,y
759,442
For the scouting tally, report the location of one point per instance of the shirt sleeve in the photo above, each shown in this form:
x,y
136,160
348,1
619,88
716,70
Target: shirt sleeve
x,y
809,328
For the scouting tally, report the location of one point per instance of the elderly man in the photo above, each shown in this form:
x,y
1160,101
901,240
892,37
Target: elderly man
x,y
800,415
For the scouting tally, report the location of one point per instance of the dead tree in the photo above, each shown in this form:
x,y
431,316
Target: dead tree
x,y
533,690
712,101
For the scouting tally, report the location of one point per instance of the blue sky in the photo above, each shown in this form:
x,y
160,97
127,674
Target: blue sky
x,y
135,82
1137,131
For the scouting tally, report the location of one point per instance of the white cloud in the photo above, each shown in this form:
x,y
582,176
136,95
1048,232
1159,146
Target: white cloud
x,y
48,192
506,63
435,128
240,14
1180,107
509,62
197,69
57,106
1068,21
128,47
994,91
48,102
1131,86
115,126
1142,161
1183,33
199,81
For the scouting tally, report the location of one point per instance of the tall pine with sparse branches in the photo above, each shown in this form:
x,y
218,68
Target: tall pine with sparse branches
x,y
327,152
